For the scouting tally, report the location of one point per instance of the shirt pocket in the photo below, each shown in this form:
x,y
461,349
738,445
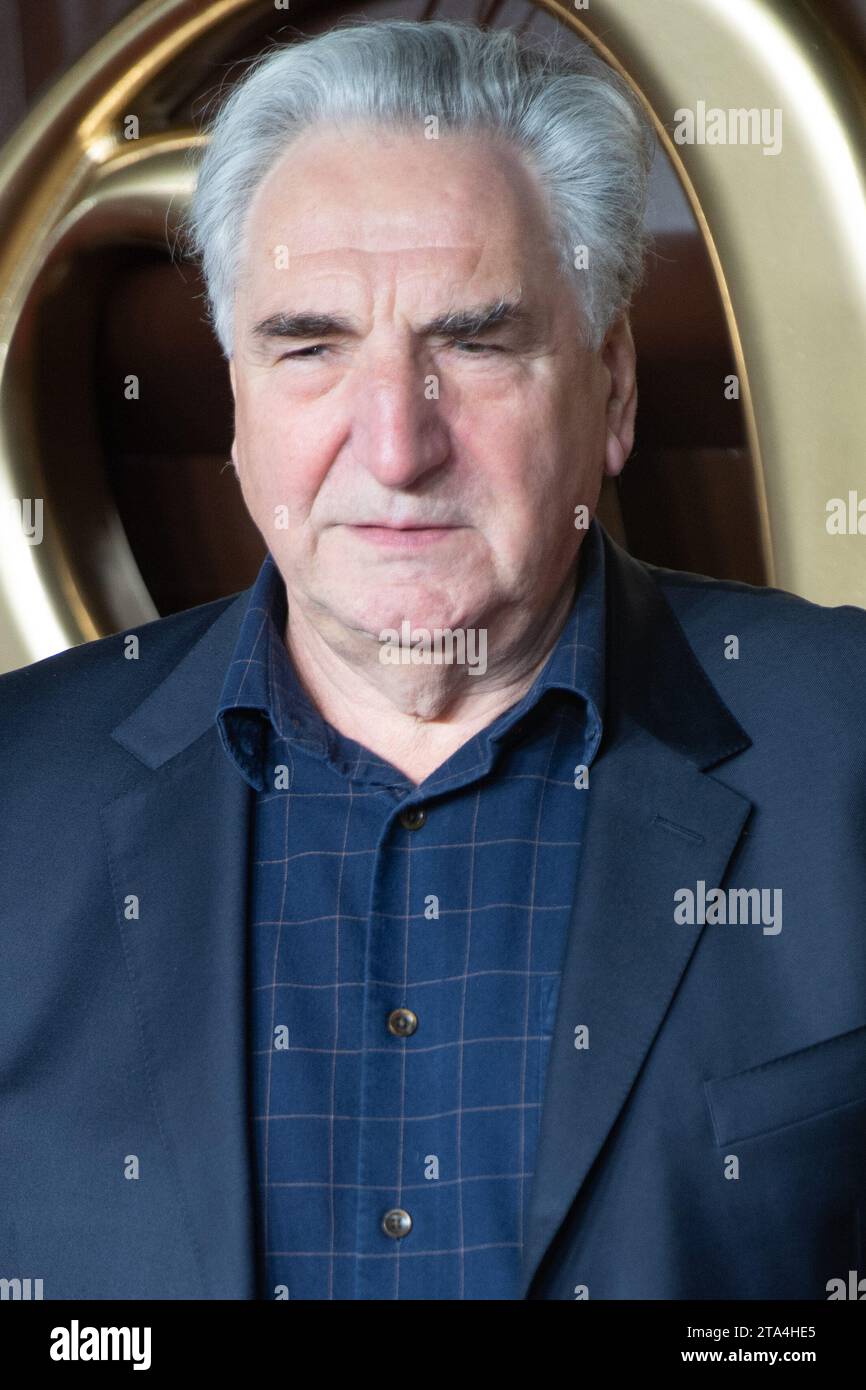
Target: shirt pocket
x,y
801,1085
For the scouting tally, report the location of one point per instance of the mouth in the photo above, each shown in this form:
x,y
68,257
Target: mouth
x,y
402,537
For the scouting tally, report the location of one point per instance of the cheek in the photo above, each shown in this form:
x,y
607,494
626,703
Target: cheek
x,y
536,505
280,457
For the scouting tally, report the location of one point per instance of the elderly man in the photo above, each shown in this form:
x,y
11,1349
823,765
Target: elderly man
x,y
467,910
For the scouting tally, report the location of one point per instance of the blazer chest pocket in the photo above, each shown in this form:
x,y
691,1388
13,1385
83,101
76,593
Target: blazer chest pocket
x,y
799,1086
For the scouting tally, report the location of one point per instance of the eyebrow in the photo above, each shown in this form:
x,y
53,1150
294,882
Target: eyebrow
x,y
463,323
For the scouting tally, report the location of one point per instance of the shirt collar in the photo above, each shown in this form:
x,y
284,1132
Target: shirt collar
x,y
261,686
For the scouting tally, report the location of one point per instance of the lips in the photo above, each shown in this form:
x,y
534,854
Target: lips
x,y
400,538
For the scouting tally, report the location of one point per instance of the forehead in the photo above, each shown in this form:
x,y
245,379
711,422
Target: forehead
x,y
364,200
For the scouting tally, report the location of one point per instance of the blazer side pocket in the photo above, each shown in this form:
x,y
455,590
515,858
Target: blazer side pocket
x,y
798,1086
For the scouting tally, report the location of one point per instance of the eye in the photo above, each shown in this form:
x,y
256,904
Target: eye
x,y
305,354
475,347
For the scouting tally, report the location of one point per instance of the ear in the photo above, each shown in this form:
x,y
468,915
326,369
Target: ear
x,y
618,355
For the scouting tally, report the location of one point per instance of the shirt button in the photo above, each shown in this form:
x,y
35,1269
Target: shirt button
x,y
396,1223
402,1022
413,817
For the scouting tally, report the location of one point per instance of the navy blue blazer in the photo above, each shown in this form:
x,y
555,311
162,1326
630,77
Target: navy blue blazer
x,y
703,1133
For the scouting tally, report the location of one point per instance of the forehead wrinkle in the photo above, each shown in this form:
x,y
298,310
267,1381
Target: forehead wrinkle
x,y
457,282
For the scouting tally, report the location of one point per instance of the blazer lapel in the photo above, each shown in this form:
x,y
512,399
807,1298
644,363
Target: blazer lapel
x,y
177,839
655,822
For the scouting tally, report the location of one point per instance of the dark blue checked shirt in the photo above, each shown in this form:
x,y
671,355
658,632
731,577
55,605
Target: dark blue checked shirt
x,y
359,914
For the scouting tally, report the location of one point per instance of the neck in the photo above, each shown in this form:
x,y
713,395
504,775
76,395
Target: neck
x,y
416,715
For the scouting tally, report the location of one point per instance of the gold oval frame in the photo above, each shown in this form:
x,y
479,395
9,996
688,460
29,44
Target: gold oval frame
x,y
791,273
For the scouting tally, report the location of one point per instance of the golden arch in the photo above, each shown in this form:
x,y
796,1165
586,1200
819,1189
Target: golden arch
x,y
786,235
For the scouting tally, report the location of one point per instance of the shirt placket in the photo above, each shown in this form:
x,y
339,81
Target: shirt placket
x,y
384,1218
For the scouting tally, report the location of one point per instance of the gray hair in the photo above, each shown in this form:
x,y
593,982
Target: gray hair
x,y
572,118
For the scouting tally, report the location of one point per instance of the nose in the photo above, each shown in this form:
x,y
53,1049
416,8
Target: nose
x,y
399,431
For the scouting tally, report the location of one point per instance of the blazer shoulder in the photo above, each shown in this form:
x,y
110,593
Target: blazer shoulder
x,y
788,649
98,677
694,595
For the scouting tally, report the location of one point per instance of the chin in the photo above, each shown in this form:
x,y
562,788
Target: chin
x,y
375,617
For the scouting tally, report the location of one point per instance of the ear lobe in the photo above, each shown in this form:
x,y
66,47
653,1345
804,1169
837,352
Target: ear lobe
x,y
620,361
615,455
620,439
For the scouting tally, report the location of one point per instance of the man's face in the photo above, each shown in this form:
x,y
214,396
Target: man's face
x,y
382,420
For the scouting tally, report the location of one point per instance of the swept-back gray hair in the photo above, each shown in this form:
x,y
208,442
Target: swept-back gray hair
x,y
573,119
